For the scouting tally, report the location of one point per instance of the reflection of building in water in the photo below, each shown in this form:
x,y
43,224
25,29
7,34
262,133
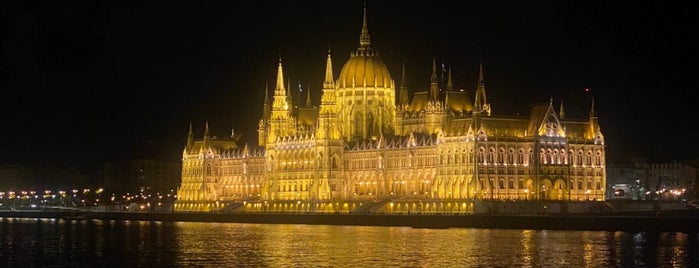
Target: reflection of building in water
x,y
370,140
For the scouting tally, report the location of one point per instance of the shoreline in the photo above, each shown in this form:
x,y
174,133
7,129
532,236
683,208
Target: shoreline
x,y
676,222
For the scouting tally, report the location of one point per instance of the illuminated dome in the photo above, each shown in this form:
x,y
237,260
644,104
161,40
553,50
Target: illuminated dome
x,y
366,93
364,66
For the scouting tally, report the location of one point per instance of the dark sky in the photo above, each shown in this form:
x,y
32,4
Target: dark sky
x,y
82,82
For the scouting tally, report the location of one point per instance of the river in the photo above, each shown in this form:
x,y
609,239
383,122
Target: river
x,y
94,243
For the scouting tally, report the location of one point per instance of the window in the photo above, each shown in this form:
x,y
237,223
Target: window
x,y
520,157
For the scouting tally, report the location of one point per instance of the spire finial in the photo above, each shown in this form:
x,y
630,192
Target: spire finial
x,y
592,107
364,38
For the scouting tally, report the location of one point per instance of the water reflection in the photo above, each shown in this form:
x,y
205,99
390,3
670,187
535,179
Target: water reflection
x,y
60,243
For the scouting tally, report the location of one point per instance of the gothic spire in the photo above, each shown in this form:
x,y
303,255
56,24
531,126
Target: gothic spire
x,y
280,90
206,132
403,96
190,136
450,83
434,83
329,81
561,112
308,98
480,101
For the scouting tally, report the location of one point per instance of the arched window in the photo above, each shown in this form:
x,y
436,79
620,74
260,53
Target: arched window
x,y
481,155
598,158
579,159
511,156
501,156
588,158
491,155
542,156
520,157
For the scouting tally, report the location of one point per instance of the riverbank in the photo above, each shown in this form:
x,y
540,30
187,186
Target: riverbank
x,y
666,222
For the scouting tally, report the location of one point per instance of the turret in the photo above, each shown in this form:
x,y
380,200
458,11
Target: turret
x,y
480,104
434,83
206,134
450,83
403,95
190,138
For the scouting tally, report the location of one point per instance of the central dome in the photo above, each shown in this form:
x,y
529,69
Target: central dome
x,y
364,69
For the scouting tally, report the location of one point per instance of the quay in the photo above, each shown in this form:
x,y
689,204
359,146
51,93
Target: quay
x,y
685,220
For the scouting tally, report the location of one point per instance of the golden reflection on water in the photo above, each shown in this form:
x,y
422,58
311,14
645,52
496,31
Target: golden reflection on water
x,y
40,243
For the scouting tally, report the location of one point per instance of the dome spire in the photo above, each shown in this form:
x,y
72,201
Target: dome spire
x,y
364,38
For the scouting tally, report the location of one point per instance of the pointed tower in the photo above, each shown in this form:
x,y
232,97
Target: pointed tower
x,y
190,137
481,106
309,104
450,83
264,121
207,138
281,123
404,98
593,122
434,83
329,110
561,112
329,143
289,96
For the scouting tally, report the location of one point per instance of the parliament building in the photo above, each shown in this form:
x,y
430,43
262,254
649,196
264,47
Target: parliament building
x,y
371,145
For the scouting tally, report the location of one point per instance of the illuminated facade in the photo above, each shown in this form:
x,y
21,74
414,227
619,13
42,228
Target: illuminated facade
x,y
370,140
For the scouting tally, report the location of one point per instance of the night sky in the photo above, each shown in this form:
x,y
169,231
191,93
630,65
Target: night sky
x,y
82,82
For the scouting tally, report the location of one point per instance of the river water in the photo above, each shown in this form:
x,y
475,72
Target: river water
x,y
95,243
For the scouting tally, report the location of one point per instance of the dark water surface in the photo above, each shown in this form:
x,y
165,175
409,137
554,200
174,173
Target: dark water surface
x,y
94,243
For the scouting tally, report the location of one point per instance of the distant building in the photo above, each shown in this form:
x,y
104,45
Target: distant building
x,y
40,178
371,140
672,180
141,174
